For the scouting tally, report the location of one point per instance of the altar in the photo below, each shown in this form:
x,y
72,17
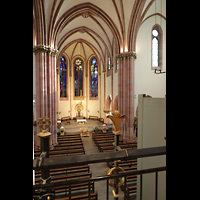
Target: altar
x,y
81,121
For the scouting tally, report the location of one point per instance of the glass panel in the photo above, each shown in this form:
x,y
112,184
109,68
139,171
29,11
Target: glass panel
x,y
63,77
155,52
78,78
94,78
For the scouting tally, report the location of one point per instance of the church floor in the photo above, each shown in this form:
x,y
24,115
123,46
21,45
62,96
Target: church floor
x,y
98,169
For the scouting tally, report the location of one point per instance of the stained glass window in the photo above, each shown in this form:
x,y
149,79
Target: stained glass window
x,y
94,78
63,70
78,78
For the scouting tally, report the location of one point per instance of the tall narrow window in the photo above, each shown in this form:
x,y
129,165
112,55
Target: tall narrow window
x,y
155,50
94,78
78,78
117,67
108,63
63,70
156,47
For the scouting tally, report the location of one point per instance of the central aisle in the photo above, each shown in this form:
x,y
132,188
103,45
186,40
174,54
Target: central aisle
x,y
98,169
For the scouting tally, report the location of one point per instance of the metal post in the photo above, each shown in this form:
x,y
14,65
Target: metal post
x,y
116,164
44,194
45,174
116,118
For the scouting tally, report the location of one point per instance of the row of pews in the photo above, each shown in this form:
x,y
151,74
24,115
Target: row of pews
x,y
69,145
104,142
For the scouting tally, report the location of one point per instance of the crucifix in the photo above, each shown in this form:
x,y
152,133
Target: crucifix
x,y
116,119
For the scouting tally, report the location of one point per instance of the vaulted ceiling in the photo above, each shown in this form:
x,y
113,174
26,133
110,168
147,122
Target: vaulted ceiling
x,y
100,25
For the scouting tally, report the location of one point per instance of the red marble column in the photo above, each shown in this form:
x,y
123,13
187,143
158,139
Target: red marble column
x,y
54,104
126,93
120,90
46,90
131,98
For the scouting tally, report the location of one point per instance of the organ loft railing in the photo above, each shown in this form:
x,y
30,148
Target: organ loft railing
x,y
114,178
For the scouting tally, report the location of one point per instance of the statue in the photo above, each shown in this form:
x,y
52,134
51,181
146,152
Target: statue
x,y
116,119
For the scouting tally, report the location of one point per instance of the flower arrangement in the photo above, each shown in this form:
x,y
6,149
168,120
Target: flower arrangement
x,y
96,129
62,129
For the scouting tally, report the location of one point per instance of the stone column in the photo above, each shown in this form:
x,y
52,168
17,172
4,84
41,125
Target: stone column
x,y
46,89
126,92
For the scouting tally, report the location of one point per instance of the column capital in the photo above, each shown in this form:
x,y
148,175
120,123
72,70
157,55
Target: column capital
x,y
46,49
126,55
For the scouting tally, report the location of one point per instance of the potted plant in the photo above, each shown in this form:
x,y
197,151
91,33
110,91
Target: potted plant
x,y
62,129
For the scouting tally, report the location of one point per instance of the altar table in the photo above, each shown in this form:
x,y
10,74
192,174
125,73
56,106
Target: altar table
x,y
81,121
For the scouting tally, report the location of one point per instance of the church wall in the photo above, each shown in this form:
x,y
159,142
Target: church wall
x,y
146,81
67,106
108,86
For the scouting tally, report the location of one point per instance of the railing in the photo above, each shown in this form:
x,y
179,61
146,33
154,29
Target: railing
x,y
68,161
138,172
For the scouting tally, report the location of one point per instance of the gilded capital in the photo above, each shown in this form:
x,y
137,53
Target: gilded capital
x,y
126,55
46,49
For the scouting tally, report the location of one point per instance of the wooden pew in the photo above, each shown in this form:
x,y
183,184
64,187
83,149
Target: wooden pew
x,y
75,188
68,177
69,145
66,171
93,196
93,117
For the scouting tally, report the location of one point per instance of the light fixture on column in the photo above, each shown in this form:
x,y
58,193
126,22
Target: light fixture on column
x,y
34,100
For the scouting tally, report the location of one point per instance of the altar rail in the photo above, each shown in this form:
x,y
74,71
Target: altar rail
x,y
68,161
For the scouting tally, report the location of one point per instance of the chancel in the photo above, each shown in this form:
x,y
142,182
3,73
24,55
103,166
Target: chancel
x,y
99,72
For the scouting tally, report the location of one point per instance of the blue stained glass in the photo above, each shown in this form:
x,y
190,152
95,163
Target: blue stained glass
x,y
78,77
63,69
94,78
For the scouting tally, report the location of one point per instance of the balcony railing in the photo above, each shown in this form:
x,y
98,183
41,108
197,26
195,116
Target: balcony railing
x,y
69,161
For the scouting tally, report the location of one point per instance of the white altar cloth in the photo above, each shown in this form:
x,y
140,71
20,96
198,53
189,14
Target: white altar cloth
x,y
81,121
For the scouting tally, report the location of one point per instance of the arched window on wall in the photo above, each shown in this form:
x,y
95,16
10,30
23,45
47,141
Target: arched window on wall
x,y
94,78
63,77
78,78
156,47
108,63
